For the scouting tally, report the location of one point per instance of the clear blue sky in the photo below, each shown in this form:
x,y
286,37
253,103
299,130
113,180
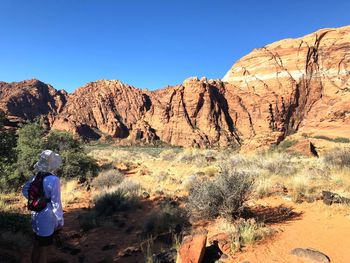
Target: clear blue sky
x,y
147,43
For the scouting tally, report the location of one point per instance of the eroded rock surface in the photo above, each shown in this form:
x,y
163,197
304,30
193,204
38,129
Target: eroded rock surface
x,y
291,86
192,249
296,85
29,99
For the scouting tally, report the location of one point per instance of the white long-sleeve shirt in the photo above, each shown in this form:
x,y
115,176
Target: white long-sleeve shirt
x,y
50,218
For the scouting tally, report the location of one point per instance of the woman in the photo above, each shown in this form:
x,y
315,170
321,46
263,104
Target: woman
x,y
50,219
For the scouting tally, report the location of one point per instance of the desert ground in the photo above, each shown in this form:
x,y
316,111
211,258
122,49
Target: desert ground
x,y
147,200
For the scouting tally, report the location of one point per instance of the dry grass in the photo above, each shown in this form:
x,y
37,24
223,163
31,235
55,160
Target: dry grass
x,y
173,171
263,187
70,192
244,232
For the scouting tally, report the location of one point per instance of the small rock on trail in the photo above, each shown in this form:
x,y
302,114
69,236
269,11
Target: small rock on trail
x,y
312,254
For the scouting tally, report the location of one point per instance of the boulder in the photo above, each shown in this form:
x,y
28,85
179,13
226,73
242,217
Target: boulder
x,y
332,198
312,254
192,249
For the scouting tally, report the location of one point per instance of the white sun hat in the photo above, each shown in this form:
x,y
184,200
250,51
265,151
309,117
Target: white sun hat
x,y
48,162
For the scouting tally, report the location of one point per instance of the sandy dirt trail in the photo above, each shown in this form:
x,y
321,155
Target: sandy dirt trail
x,y
324,228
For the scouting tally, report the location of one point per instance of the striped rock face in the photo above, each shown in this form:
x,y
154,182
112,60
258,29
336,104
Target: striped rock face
x,y
295,85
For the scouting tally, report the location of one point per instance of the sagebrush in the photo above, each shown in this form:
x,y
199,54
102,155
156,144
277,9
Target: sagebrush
x,y
226,195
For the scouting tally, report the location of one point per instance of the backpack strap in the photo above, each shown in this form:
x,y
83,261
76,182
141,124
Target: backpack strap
x,y
44,174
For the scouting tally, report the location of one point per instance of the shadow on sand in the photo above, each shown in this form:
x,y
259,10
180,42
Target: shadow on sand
x,y
272,215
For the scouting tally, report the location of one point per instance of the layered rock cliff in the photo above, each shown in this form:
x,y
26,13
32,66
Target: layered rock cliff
x,y
297,85
291,86
29,99
192,114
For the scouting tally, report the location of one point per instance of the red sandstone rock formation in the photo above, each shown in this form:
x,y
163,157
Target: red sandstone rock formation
x,y
106,108
293,85
29,99
192,249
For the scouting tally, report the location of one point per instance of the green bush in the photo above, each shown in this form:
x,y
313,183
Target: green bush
x,y
337,139
224,196
59,141
8,156
283,145
29,146
76,163
342,140
17,157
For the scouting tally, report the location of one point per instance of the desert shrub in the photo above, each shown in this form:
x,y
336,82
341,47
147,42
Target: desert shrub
x,y
337,139
226,195
283,145
250,232
341,140
281,164
7,145
190,181
29,146
263,187
130,188
239,161
108,179
120,198
59,141
318,171
76,163
194,156
169,218
300,188
245,232
168,155
108,203
338,157
31,142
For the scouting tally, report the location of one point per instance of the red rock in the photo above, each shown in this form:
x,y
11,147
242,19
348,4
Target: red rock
x,y
29,99
192,249
297,85
294,85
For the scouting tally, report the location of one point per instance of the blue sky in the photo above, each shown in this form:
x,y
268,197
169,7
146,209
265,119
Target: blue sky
x,y
146,43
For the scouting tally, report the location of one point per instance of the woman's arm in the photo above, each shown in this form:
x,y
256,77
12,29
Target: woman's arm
x,y
56,202
26,187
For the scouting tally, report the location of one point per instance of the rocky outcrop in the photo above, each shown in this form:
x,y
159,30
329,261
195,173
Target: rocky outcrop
x,y
192,249
195,113
103,108
291,86
295,85
27,100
